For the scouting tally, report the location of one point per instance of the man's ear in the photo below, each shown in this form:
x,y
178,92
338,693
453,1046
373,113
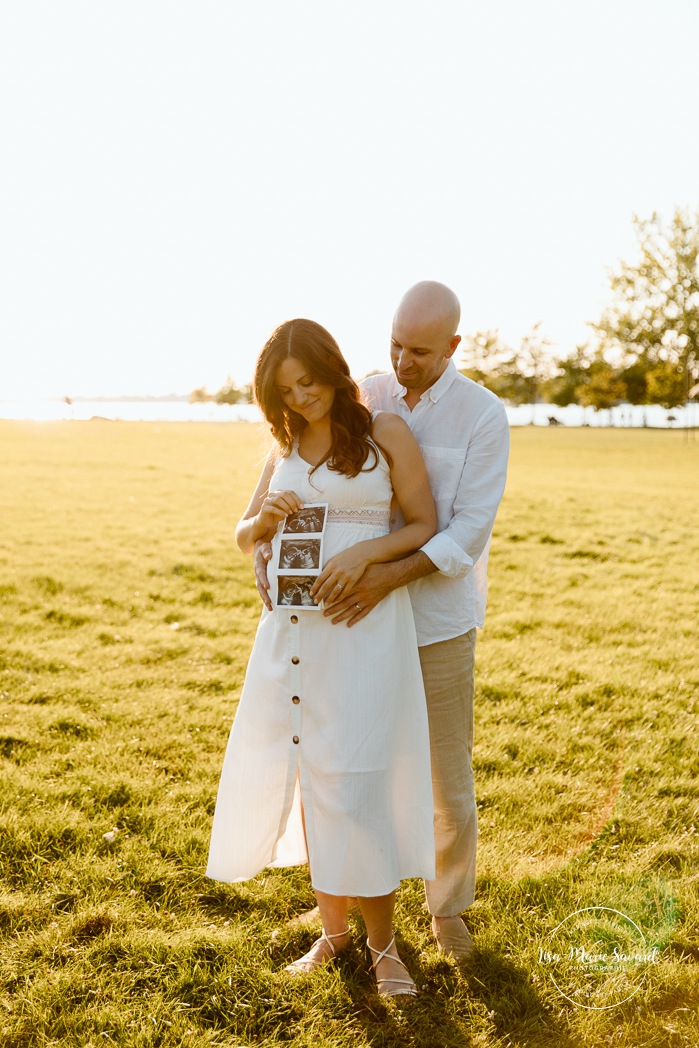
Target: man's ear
x,y
452,345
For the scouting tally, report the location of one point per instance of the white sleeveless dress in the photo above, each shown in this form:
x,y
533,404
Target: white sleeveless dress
x,y
333,715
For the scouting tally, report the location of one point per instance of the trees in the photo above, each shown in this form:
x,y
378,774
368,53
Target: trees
x,y
571,373
481,355
652,325
535,363
601,387
517,375
646,344
229,393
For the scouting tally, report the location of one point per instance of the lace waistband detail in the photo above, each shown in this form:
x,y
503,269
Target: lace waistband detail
x,y
374,518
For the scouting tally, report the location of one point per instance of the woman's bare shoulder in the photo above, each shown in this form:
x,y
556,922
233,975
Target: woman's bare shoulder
x,y
387,426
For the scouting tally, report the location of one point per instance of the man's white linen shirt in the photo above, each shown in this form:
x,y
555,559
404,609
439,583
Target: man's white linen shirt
x,y
464,436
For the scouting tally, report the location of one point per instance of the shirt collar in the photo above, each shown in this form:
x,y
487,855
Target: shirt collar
x,y
437,390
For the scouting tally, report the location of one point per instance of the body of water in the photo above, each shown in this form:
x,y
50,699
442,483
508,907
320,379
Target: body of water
x,y
128,411
181,411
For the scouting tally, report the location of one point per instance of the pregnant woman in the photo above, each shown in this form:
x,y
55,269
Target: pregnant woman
x,y
328,758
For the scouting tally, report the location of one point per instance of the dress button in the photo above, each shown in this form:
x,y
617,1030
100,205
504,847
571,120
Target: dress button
x,y
295,660
294,619
295,699
295,739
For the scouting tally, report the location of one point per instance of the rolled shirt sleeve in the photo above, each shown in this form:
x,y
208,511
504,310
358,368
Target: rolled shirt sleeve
x,y
447,556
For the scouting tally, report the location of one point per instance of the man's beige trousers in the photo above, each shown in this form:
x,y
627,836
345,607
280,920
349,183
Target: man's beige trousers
x,y
448,673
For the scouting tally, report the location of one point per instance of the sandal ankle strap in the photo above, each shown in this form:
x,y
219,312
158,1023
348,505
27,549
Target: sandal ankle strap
x,y
384,953
336,935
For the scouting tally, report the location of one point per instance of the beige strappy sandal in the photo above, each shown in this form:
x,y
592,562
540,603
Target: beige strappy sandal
x,y
308,963
405,987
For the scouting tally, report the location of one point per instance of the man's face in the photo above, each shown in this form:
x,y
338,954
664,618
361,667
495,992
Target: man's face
x,y
420,352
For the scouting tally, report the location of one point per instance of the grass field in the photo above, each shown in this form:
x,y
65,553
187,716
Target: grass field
x,y
126,618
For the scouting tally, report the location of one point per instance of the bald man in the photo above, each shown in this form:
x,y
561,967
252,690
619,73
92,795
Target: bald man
x,y
463,432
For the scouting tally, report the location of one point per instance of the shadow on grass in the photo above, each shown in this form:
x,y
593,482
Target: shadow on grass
x,y
453,1009
513,1004
219,901
276,897
429,1020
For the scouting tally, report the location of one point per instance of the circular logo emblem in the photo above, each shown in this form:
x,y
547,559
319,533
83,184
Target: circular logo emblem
x,y
597,958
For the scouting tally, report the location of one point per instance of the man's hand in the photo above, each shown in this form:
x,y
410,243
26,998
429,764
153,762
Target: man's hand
x,y
342,572
263,554
376,583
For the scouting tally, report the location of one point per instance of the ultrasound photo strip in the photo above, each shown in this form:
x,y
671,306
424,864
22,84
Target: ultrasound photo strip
x,y
300,557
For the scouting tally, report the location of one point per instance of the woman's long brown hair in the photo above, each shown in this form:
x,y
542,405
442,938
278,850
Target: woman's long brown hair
x,y
350,420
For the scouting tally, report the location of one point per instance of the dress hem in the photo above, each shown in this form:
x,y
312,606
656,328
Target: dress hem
x,y
342,891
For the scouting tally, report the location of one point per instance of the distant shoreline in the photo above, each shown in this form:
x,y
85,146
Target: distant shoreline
x,y
128,398
176,408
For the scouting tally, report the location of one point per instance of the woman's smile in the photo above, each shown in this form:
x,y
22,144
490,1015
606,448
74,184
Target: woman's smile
x,y
301,392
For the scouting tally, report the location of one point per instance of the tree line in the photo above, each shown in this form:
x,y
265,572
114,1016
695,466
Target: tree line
x,y
229,393
644,349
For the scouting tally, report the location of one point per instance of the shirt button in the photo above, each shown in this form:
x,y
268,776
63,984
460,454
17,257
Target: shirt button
x,y
295,659
295,699
295,739
294,619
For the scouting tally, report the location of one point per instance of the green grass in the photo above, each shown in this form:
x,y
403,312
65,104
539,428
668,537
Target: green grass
x,y
126,616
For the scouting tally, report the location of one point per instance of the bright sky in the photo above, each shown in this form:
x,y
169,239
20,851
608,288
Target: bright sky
x,y
178,178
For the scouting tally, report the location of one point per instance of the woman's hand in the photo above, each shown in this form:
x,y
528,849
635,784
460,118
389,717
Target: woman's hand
x,y
276,506
265,509
340,573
